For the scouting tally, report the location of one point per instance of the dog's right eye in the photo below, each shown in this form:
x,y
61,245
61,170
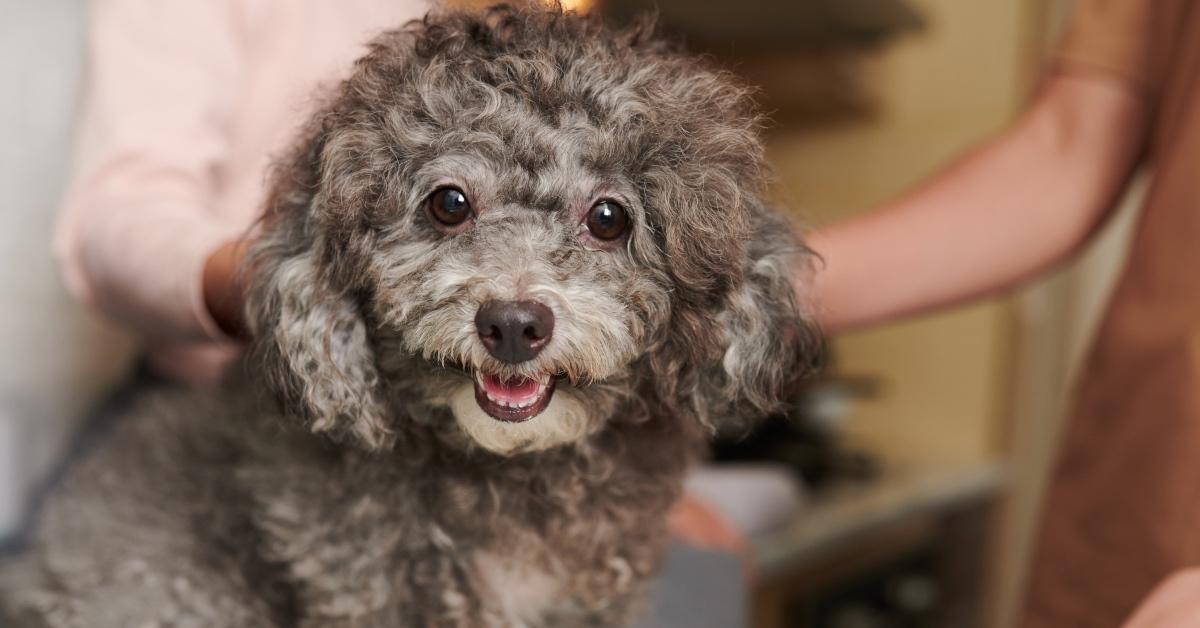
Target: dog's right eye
x,y
449,206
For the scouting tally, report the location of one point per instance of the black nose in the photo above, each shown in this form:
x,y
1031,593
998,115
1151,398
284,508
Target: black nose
x,y
514,331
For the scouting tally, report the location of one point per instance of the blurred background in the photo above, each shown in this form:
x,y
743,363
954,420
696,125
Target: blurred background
x,y
911,473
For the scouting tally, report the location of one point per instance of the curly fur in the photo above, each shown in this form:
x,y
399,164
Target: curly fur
x,y
379,494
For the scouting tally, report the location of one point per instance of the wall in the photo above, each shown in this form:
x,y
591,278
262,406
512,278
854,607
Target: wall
x,y
948,378
989,379
55,359
945,376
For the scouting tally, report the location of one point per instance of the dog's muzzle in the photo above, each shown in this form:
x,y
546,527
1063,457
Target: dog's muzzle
x,y
514,332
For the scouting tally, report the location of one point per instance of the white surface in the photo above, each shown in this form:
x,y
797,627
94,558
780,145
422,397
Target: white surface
x,y
55,359
753,497
843,515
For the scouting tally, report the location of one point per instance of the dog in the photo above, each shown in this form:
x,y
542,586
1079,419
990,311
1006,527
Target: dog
x,y
507,281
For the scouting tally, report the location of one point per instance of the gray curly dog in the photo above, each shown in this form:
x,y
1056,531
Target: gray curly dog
x,y
508,280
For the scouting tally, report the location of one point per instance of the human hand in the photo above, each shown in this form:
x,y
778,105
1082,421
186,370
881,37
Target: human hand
x,y
1173,604
696,523
224,288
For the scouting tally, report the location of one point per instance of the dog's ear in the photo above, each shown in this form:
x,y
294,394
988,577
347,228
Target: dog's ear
x,y
769,339
310,342
735,338
761,340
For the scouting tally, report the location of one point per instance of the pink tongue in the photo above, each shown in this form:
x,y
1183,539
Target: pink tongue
x,y
518,389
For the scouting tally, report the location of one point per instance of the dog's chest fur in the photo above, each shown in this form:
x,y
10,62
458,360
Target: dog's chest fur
x,y
522,594
423,536
291,530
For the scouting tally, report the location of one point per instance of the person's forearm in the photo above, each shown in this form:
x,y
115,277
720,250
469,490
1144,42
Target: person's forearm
x,y
1006,211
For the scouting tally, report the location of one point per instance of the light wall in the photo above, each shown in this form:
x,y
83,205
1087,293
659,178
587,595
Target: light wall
x,y
946,376
992,379
948,379
55,359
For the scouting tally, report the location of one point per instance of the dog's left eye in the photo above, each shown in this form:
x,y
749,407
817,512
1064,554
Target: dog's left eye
x,y
606,220
449,206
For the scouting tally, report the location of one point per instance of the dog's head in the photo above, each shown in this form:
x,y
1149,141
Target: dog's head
x,y
517,226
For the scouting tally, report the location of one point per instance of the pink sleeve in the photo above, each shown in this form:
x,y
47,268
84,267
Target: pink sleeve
x,y
137,225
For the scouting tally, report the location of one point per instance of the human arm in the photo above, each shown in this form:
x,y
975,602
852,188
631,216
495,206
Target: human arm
x,y
695,522
1173,604
137,228
1008,210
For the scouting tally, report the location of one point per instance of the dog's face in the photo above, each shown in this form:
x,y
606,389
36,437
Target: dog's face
x,y
518,226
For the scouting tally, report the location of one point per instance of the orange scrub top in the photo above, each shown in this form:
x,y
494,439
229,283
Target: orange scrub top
x,y
1123,511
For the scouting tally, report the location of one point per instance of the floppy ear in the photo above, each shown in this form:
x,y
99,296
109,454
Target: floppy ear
x,y
766,341
310,342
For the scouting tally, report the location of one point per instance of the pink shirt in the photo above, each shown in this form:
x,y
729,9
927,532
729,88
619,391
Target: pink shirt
x,y
185,103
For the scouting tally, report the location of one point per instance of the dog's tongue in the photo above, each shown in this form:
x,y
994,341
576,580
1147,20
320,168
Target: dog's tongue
x,y
516,390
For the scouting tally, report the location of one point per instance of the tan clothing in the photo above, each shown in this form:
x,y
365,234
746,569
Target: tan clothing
x,y
184,105
1123,511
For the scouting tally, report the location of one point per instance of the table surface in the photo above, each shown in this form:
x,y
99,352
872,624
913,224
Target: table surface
x,y
844,514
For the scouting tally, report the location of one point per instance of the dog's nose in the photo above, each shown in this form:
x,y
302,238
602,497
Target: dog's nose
x,y
514,331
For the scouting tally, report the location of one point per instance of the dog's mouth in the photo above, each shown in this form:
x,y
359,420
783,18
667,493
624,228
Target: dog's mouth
x,y
513,399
